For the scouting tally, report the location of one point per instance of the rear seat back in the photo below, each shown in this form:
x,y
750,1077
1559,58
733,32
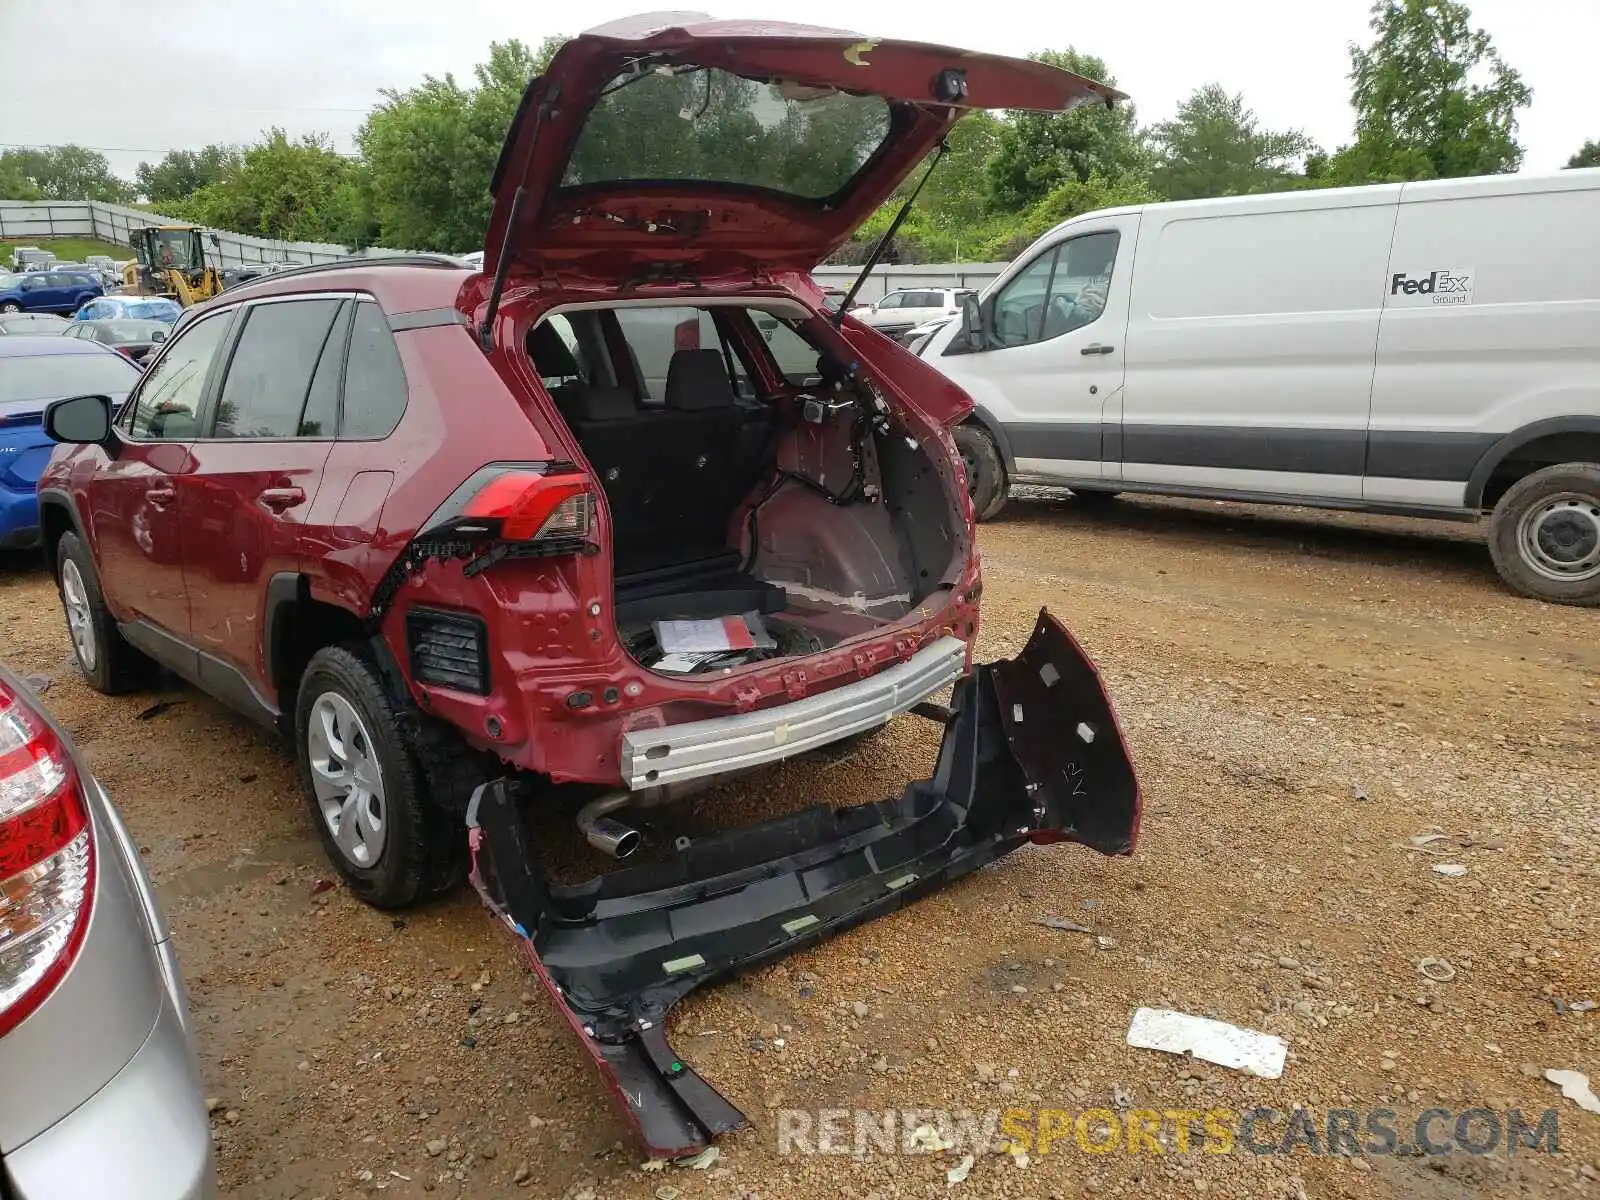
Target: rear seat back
x,y
673,475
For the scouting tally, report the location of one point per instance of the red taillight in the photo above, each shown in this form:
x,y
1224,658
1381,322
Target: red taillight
x,y
46,860
530,506
542,508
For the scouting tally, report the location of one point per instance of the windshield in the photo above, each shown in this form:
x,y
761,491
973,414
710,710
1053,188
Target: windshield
x,y
152,310
706,125
53,376
120,332
173,248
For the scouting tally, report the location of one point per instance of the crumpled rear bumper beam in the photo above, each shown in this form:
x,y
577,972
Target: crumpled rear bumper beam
x,y
1031,752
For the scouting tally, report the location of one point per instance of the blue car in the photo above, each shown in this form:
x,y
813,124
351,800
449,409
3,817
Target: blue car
x,y
33,372
131,308
49,291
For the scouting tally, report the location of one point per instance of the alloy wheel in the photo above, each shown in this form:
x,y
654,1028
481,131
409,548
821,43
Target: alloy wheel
x,y
347,779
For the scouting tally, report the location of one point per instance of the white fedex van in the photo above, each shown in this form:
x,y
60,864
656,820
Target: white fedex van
x,y
1428,349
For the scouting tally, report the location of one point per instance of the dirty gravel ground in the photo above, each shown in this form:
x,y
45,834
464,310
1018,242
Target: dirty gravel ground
x,y
1303,692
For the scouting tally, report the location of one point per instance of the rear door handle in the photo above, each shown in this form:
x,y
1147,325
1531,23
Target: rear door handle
x,y
1097,348
280,498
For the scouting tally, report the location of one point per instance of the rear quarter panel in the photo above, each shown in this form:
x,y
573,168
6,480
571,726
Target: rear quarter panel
x,y
459,416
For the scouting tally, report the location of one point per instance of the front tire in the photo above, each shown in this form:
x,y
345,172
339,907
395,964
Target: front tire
x,y
365,788
108,663
1544,535
986,470
10,306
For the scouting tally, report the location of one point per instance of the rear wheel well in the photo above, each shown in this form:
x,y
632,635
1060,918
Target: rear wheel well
x,y
300,626
1536,455
54,521
297,630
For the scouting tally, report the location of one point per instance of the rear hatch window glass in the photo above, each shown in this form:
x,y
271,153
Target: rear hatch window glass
x,y
708,126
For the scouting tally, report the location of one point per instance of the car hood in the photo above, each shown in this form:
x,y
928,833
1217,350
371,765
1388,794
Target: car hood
x,y
675,145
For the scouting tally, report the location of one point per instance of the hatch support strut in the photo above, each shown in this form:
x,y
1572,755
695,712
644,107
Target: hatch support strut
x,y
888,234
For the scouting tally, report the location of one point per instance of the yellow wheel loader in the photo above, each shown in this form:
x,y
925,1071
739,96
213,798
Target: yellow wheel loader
x,y
171,261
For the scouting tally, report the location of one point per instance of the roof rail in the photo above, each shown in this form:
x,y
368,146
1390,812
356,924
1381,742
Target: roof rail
x,y
348,264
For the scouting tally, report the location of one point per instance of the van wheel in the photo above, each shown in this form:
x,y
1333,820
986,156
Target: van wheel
x,y
108,663
986,471
365,787
1544,535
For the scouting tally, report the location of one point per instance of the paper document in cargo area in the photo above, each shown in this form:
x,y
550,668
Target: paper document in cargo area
x,y
745,632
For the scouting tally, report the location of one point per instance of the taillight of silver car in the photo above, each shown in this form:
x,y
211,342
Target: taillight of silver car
x,y
46,859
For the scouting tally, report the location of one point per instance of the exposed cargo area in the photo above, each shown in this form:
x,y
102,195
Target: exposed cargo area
x,y
765,499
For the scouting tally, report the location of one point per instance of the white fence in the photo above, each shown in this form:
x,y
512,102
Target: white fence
x,y
23,219
976,276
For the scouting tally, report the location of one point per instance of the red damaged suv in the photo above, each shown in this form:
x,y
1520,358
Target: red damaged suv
x,y
630,509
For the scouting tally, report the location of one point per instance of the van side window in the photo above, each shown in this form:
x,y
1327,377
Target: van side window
x,y
1061,290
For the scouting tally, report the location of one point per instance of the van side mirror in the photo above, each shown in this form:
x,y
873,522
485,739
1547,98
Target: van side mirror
x,y
973,335
79,420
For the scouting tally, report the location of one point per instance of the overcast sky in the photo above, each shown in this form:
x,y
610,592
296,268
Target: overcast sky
x,y
139,79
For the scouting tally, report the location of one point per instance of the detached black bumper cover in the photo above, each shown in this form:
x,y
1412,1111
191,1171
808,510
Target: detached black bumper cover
x,y
1032,752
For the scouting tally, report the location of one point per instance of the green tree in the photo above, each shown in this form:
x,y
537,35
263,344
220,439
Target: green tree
x,y
295,189
430,151
1215,146
182,173
15,182
60,173
1070,199
1038,152
1589,156
1432,98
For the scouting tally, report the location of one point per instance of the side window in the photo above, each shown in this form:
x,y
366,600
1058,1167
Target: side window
x,y
269,375
169,395
892,300
796,357
321,416
1061,290
374,381
654,335
555,353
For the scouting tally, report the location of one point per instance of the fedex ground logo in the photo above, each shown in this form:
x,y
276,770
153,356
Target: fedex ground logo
x,y
1441,287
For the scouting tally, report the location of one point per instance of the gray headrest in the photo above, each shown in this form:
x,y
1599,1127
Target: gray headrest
x,y
698,380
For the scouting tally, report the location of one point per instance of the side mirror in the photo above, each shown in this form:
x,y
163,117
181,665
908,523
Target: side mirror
x,y
973,335
215,240
79,420
159,336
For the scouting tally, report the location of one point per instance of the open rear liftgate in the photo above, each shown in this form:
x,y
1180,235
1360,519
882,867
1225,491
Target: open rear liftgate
x,y
1031,752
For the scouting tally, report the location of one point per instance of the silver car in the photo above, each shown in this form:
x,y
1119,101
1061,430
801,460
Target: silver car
x,y
99,1090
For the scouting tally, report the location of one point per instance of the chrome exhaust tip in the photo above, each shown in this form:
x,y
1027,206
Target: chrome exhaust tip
x,y
612,837
604,834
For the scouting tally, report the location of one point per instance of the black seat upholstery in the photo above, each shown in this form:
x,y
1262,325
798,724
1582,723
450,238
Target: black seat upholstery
x,y
697,381
675,475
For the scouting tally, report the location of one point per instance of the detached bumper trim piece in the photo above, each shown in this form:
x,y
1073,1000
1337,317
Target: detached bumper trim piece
x,y
1031,753
695,749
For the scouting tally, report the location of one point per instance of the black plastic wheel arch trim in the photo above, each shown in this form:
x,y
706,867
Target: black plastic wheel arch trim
x,y
1032,752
